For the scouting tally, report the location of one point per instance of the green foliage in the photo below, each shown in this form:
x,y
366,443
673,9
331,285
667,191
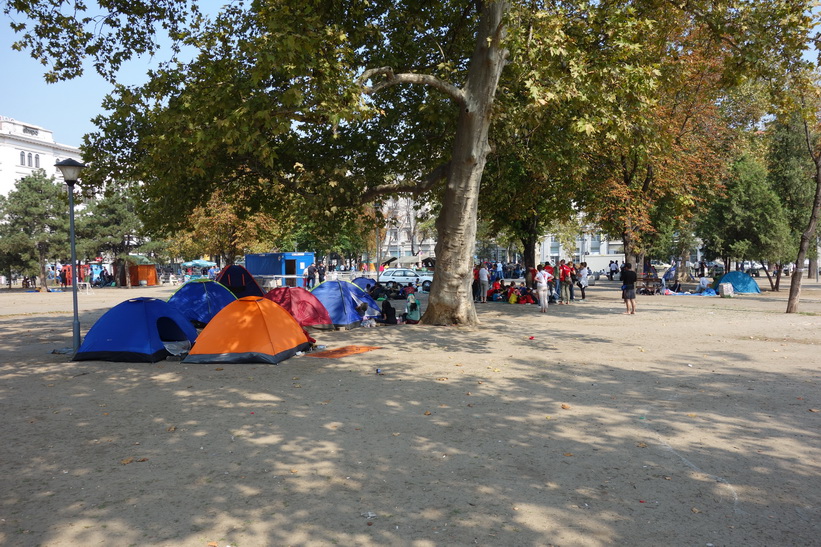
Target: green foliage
x,y
110,225
791,171
34,225
748,223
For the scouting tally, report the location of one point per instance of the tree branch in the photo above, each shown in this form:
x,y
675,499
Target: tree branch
x,y
413,187
392,79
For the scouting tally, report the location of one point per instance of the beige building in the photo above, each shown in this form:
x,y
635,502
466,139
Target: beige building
x,y
25,148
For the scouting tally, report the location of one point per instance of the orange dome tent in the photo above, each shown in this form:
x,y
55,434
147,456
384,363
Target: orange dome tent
x,y
249,330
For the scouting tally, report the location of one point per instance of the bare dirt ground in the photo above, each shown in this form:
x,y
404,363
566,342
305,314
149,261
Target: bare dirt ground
x,y
694,423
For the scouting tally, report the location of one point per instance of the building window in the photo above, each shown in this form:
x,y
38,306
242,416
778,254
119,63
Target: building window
x,y
29,159
37,160
595,244
22,158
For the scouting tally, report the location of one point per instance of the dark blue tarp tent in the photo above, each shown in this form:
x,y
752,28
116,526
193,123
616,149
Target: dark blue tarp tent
x,y
364,283
200,300
239,281
741,282
137,330
341,298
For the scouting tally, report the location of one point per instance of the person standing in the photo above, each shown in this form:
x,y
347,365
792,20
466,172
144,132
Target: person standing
x,y
484,283
564,282
311,275
583,275
628,288
499,271
614,269
320,270
542,281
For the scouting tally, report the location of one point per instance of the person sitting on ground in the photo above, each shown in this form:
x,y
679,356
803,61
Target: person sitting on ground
x,y
498,292
703,284
413,313
408,289
527,296
512,293
388,316
362,310
378,291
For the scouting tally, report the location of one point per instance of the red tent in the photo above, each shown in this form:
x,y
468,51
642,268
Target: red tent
x,y
305,307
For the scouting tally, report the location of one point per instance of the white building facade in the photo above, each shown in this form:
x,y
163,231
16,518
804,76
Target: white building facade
x,y
24,148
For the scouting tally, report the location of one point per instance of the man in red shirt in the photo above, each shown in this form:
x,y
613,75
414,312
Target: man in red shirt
x,y
564,282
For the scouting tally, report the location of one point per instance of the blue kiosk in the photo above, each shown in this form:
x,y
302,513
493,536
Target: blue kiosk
x,y
287,267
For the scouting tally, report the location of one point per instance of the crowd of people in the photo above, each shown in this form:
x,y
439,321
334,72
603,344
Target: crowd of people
x,y
545,284
379,292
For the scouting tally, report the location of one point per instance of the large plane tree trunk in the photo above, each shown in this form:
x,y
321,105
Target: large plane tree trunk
x,y
451,301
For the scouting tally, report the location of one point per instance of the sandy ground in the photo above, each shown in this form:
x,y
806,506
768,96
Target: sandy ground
x,y
692,423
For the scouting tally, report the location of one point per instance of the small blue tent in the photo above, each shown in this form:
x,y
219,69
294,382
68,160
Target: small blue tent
x,y
741,282
200,300
341,298
239,281
137,330
364,283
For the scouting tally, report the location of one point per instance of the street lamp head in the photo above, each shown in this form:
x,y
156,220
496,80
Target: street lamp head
x,y
70,168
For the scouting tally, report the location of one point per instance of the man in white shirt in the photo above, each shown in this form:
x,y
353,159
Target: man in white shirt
x,y
484,283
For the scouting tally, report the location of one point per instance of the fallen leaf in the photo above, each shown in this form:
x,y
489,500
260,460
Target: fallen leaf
x,y
126,461
294,471
427,413
171,428
442,379
547,417
695,510
668,478
297,385
219,368
395,434
568,454
480,382
142,460
692,415
565,406
295,378
470,404
468,393
642,445
212,544
458,365
814,410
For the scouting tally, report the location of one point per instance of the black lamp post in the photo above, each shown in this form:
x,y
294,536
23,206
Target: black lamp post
x,y
71,172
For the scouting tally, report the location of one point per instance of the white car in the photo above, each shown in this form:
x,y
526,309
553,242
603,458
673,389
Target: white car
x,y
402,276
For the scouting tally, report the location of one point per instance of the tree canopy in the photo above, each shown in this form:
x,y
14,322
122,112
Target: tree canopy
x,y
322,106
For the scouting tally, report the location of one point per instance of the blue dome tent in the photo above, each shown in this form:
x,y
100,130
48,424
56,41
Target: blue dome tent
x,y
741,282
137,331
341,298
364,283
200,300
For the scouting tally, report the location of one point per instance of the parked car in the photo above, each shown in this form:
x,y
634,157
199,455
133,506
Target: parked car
x,y
402,276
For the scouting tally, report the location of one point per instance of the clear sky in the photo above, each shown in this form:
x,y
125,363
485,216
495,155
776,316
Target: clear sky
x,y
66,108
